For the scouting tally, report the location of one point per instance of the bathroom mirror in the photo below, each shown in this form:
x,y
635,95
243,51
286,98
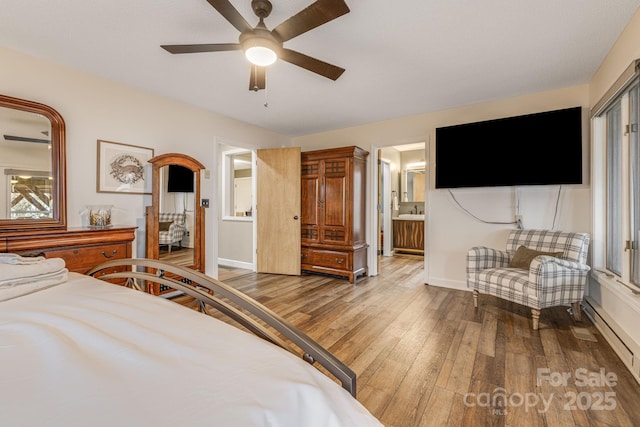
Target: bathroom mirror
x,y
175,219
413,185
32,167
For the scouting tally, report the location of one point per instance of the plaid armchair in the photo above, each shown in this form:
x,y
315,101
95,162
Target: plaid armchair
x,y
172,229
549,280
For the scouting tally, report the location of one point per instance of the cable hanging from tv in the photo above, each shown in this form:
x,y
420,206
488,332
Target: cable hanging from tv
x,y
476,217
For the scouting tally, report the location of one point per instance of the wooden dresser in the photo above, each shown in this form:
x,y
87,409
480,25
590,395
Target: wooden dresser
x,y
81,248
333,211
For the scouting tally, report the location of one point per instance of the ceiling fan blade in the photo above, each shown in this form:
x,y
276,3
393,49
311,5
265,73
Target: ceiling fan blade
x,y
312,64
231,14
25,139
197,48
258,79
313,16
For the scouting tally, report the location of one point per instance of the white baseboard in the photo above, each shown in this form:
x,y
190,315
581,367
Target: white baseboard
x,y
448,283
236,264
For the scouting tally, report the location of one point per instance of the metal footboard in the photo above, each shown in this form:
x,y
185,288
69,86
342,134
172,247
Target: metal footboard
x,y
209,291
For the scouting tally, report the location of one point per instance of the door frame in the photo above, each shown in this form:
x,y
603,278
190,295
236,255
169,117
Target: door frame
x,y
220,151
373,225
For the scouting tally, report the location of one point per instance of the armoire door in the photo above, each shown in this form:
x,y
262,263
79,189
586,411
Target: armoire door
x,y
335,200
278,211
310,201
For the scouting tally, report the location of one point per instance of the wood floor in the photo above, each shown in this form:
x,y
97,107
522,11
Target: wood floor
x,y
178,255
425,357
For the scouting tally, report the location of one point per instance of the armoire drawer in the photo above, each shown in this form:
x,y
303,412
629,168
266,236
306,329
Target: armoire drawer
x,y
331,259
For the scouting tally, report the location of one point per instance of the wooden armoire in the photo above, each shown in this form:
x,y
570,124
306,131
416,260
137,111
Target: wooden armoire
x,y
333,212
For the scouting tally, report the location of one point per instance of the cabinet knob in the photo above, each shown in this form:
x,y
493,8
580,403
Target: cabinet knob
x,y
339,260
296,217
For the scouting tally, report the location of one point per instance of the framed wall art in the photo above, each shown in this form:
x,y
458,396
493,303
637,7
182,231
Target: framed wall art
x,y
123,168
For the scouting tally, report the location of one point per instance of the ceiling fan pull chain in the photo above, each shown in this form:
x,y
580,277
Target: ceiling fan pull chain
x,y
266,98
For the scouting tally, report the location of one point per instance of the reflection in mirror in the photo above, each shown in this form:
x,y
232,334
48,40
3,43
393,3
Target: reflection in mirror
x,y
32,181
237,186
176,216
26,160
175,206
413,185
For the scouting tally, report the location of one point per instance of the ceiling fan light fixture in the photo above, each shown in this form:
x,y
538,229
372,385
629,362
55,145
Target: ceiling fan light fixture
x,y
261,56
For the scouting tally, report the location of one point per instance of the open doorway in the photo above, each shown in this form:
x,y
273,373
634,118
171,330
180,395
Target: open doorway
x,y
402,181
236,242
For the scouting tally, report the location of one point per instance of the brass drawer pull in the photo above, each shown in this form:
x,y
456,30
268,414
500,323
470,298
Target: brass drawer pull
x,y
339,260
115,251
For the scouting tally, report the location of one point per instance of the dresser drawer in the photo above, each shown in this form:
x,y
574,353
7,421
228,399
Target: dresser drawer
x,y
331,259
82,258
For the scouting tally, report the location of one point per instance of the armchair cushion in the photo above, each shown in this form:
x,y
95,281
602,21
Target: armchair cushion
x,y
523,257
164,225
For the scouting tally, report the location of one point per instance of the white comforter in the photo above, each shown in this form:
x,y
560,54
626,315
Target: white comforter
x,y
86,353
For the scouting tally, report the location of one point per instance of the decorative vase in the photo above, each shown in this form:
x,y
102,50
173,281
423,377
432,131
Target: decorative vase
x,y
99,215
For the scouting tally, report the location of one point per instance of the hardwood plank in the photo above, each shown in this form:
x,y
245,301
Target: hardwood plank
x,y
463,365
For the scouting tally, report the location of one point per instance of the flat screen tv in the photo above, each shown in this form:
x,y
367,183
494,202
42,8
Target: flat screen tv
x,y
534,149
180,179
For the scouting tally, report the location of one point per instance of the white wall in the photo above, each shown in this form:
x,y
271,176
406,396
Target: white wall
x,y
449,231
95,108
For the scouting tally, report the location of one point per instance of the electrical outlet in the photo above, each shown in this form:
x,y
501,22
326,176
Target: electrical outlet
x,y
205,203
519,222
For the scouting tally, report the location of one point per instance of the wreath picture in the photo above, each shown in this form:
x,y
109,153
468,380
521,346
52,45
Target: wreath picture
x,y
123,168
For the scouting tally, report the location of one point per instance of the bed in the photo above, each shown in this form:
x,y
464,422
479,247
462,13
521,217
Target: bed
x,y
76,350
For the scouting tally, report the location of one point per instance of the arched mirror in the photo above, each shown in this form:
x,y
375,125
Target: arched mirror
x,y
32,167
175,219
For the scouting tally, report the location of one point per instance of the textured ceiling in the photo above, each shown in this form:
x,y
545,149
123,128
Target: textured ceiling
x,y
401,58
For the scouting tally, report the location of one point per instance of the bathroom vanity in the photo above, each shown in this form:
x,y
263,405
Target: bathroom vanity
x,y
408,234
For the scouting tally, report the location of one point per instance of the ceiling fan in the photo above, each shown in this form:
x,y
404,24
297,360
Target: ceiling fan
x,y
263,47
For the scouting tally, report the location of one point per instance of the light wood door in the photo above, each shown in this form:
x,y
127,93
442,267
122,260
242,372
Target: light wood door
x,y
278,211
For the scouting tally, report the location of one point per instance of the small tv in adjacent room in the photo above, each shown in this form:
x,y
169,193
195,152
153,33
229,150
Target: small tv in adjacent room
x,y
533,149
180,179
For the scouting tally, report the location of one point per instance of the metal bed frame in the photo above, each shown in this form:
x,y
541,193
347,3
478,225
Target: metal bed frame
x,y
209,291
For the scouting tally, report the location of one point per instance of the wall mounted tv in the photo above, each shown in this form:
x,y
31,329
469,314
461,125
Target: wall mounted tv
x,y
180,179
534,149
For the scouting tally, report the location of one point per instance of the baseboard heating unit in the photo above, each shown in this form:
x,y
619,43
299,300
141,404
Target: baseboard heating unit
x,y
607,328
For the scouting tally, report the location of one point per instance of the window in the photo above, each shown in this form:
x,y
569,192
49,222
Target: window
x,y
614,189
634,151
237,172
617,185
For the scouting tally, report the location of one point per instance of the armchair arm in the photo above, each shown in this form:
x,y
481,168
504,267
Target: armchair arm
x,y
481,257
176,231
557,281
546,261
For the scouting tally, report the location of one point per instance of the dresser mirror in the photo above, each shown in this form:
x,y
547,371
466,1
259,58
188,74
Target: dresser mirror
x,y
32,167
175,220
